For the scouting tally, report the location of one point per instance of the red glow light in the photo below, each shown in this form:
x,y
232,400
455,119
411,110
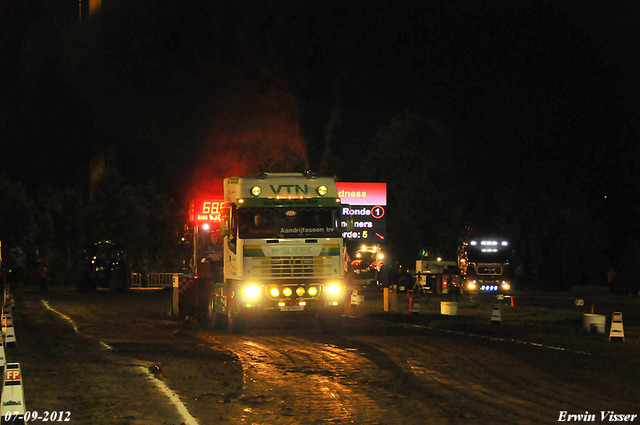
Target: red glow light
x,y
206,211
255,129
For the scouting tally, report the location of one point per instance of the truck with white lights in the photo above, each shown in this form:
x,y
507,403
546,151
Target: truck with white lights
x,y
283,249
366,265
484,264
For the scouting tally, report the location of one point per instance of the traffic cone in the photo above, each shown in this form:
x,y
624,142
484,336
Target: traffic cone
x,y
13,406
495,314
415,305
3,360
7,311
7,330
8,300
617,331
356,298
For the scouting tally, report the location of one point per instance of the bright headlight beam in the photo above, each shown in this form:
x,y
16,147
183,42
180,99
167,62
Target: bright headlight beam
x,y
333,289
251,291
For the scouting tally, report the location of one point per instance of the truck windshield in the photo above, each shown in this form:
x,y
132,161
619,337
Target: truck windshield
x,y
261,223
476,255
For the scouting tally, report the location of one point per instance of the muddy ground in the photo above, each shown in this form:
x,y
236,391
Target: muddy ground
x,y
107,369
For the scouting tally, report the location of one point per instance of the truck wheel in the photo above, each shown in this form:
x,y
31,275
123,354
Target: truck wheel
x,y
215,319
236,322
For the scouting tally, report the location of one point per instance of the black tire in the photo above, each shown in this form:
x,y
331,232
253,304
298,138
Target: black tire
x,y
215,319
236,322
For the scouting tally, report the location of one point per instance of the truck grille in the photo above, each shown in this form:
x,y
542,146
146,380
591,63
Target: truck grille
x,y
489,270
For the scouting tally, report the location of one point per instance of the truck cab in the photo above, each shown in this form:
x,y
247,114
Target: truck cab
x,y
484,264
105,266
283,249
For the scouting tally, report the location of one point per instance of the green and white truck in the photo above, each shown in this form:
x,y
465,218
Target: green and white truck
x,y
283,251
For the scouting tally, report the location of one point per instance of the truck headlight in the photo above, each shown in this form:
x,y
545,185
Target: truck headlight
x,y
505,286
333,289
300,291
287,292
251,291
275,293
313,291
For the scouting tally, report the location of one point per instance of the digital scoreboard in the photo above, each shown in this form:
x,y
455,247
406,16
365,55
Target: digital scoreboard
x,y
206,211
366,204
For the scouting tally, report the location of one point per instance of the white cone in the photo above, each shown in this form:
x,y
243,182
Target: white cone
x,y
3,359
7,311
13,405
495,314
7,330
617,331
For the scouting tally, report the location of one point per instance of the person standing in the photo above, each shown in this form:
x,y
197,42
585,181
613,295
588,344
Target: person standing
x,y
43,277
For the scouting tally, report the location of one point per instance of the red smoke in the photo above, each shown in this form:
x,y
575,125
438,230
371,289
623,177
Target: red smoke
x,y
252,131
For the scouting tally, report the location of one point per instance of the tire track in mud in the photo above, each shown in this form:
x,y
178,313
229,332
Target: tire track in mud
x,y
371,373
295,381
316,379
480,384
406,378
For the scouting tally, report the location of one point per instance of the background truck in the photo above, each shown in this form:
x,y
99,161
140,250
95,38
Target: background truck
x,y
437,276
365,265
104,266
283,250
484,263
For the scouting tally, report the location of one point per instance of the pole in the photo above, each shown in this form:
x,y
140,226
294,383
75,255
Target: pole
x,y
195,249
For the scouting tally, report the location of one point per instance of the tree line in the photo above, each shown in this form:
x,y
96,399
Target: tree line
x,y
565,227
56,226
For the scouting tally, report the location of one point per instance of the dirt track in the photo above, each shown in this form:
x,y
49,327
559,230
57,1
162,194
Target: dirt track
x,y
369,373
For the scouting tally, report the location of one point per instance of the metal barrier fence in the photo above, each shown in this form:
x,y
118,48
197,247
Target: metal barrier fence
x,y
154,280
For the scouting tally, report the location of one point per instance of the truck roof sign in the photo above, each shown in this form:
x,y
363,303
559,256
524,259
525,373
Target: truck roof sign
x,y
278,186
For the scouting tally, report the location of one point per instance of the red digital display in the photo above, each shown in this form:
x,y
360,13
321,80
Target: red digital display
x,y
206,211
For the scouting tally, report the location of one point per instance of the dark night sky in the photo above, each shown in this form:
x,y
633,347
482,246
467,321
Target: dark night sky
x,y
182,88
